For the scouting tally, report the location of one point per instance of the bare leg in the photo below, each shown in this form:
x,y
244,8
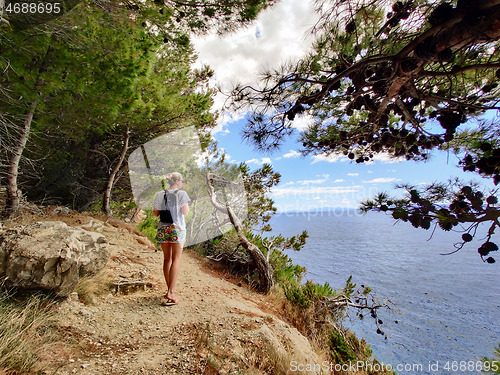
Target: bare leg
x,y
174,270
167,261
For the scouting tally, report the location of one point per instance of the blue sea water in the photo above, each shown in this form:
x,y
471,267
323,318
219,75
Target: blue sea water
x,y
448,306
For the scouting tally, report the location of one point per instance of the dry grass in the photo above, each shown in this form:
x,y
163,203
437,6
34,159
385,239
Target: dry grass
x,y
89,288
306,321
264,358
25,330
257,357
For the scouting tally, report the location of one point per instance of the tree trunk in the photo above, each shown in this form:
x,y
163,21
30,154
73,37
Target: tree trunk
x,y
2,7
106,203
259,260
193,217
266,272
12,202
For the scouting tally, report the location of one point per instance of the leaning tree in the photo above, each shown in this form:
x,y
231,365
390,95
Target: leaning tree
x,y
400,78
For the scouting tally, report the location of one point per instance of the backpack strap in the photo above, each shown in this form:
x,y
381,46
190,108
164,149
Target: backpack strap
x,y
174,192
169,192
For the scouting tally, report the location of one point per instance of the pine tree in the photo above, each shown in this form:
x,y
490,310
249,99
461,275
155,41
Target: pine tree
x,y
400,78
89,81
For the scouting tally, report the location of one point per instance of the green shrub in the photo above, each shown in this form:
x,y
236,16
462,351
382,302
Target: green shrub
x,y
149,225
285,271
340,350
295,294
121,208
95,207
304,295
317,291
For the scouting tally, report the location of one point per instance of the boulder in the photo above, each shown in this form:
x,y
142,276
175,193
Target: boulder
x,y
50,256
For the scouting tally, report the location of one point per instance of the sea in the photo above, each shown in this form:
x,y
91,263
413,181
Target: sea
x,y
446,314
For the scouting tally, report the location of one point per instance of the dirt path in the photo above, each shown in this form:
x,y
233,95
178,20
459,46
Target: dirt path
x,y
217,327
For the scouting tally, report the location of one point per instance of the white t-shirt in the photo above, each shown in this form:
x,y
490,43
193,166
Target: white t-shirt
x,y
174,206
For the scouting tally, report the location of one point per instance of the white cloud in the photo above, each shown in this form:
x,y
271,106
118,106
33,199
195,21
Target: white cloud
x,y
387,158
292,154
278,35
313,182
332,158
322,180
353,174
381,180
302,122
224,118
277,192
259,162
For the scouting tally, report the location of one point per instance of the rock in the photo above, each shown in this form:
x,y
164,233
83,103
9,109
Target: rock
x,y
125,287
74,296
61,211
94,225
50,256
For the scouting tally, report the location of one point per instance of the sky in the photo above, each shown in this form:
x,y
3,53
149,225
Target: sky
x,y
313,182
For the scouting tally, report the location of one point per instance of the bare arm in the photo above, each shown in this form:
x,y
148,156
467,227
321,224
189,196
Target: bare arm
x,y
185,209
156,212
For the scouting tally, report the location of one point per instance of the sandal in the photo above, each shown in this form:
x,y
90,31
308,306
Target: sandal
x,y
168,302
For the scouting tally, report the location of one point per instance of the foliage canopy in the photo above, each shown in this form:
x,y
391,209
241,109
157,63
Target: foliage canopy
x,y
97,77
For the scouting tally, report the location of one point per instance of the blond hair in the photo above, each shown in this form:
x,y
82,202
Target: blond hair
x,y
173,177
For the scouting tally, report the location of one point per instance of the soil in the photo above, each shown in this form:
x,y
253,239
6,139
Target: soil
x,y
219,325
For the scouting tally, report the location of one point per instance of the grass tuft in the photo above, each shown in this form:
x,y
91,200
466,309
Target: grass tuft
x,y
89,288
25,330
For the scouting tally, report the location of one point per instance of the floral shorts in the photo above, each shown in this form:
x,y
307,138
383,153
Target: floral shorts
x,y
171,234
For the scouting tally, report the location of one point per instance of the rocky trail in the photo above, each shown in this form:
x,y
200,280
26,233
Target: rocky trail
x,y
218,327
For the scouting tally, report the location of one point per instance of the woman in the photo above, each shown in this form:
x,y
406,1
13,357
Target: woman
x,y
172,206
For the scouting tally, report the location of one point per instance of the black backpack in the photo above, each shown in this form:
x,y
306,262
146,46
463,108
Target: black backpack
x,y
165,215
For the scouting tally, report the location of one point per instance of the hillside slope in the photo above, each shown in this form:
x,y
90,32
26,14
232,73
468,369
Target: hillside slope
x,y
218,326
